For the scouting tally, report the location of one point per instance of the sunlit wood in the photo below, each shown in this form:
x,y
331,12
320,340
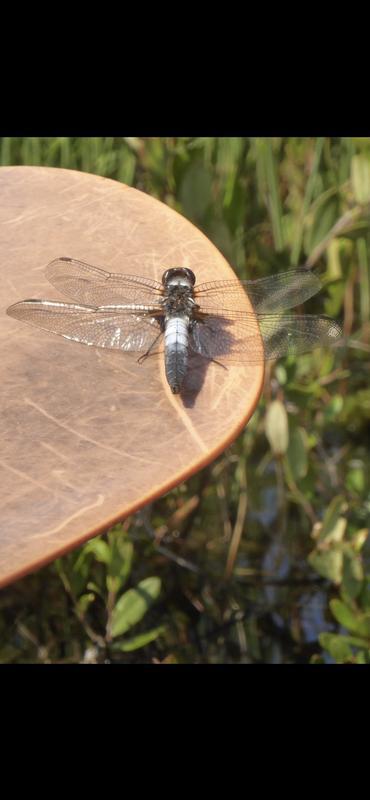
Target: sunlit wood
x,y
89,436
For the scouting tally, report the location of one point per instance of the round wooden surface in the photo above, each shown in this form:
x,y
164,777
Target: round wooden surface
x,y
88,435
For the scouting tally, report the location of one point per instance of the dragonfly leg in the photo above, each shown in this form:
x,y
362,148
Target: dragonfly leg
x,y
149,352
214,361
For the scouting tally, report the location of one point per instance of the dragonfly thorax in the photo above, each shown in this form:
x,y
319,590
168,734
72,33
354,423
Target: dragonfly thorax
x,y
178,295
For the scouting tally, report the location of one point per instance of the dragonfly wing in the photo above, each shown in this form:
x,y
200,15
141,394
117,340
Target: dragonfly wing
x,y
95,286
250,339
294,334
228,339
117,330
269,295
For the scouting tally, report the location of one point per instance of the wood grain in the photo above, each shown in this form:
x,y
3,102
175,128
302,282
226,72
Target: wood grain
x,y
89,436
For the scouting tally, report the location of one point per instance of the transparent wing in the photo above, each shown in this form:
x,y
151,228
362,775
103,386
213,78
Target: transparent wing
x,y
95,286
239,339
102,327
270,295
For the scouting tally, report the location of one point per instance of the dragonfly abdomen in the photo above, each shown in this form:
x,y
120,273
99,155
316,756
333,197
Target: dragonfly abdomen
x,y
176,340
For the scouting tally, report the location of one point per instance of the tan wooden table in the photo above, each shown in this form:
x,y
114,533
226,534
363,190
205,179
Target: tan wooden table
x,y
87,435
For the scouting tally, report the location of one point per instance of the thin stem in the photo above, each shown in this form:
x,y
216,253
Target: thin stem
x,y
240,520
344,223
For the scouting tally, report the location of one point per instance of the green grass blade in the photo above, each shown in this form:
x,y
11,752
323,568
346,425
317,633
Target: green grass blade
x,y
362,255
274,198
308,195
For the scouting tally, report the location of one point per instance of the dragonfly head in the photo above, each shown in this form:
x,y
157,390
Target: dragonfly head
x,y
178,276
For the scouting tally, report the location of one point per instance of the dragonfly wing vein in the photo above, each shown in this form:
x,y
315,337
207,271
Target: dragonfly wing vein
x,y
96,286
271,294
267,336
117,330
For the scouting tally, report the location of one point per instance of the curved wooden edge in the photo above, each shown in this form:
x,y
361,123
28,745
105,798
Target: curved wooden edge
x,y
157,492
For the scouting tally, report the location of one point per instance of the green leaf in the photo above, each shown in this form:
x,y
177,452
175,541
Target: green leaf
x,y
357,642
281,374
333,526
134,143
360,178
352,620
119,568
362,657
333,408
323,221
273,196
297,453
337,531
84,602
133,605
196,191
338,646
353,574
134,642
333,255
9,654
100,549
317,659
276,427
364,278
334,298
359,538
229,150
328,563
221,237
93,587
308,195
355,480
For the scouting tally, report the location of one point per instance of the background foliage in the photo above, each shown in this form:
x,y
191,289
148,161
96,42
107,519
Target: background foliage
x,y
264,555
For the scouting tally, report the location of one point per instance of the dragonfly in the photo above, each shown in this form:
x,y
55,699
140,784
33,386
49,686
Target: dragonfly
x,y
137,314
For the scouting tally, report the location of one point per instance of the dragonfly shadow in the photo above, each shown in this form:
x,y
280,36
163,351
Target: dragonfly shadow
x,y
194,379
211,341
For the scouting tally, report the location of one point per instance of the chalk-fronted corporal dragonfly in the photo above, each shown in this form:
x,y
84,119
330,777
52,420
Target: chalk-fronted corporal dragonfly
x,y
133,313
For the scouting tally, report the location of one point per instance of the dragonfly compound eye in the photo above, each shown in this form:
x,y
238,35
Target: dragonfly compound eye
x,y
176,273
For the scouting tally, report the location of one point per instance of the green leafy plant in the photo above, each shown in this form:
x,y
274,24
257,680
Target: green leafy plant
x,y
124,610
337,557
